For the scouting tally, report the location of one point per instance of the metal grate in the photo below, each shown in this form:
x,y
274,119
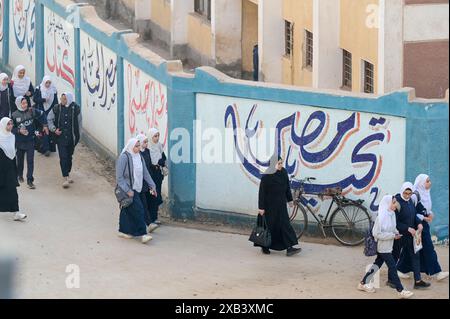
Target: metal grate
x,y
308,49
203,7
288,38
368,77
347,70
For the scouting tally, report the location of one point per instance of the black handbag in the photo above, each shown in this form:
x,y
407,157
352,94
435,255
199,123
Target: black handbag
x,y
260,235
121,196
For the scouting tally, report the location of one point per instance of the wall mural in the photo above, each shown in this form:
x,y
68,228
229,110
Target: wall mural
x,y
359,152
59,51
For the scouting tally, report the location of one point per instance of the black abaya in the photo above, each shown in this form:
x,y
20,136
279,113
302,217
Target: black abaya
x,y
274,194
9,200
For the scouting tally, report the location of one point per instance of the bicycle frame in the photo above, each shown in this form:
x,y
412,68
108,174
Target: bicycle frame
x,y
322,221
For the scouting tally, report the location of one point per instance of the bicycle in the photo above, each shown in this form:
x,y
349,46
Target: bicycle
x,y
349,222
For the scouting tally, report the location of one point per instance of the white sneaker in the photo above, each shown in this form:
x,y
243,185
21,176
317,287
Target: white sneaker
x,y
146,239
125,236
157,222
405,294
366,288
151,228
442,275
66,183
402,275
70,180
19,216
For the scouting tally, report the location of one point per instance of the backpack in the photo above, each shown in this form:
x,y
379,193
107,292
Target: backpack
x,y
370,244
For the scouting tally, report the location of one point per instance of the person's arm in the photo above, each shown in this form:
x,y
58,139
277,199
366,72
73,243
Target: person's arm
x,y
288,191
51,120
37,98
12,100
162,161
402,227
262,195
151,184
378,234
122,163
31,89
40,116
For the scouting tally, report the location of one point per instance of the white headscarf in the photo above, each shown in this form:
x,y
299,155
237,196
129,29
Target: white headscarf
x,y
141,138
138,169
2,77
19,103
7,139
20,86
406,186
425,194
157,149
70,98
47,93
386,215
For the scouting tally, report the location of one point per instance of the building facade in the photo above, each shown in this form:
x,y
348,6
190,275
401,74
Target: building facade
x,y
369,46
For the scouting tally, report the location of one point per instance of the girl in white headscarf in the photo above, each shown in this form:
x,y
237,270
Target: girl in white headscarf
x,y
131,173
9,199
385,232
21,84
5,96
429,263
45,97
408,225
157,169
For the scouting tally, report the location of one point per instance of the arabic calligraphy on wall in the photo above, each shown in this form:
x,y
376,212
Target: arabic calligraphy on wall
x,y
99,71
145,103
24,23
59,51
361,153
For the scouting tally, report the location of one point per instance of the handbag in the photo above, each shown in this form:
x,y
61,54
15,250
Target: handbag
x,y
370,244
260,235
121,196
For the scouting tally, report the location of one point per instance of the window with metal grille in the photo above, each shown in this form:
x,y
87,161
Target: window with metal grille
x,y
308,49
368,77
346,70
288,38
203,7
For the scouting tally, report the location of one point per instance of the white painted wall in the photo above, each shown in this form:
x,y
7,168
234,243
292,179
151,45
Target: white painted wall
x,y
59,51
227,30
22,35
145,106
215,179
271,40
390,46
426,22
327,59
99,91
180,12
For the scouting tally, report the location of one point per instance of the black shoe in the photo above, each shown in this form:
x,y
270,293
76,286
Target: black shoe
x,y
265,251
390,284
31,185
421,285
293,251
21,180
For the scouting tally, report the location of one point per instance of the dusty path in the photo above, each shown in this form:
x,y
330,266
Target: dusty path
x,y
78,226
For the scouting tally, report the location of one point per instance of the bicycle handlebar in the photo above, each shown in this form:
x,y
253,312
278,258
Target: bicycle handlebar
x,y
307,179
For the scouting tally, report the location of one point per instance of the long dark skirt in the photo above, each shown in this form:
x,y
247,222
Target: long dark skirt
x,y
153,203
9,199
281,231
132,218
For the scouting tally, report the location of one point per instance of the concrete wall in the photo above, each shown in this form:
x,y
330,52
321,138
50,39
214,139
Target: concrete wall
x,y
359,36
357,151
200,39
372,125
299,12
22,38
249,33
2,5
59,44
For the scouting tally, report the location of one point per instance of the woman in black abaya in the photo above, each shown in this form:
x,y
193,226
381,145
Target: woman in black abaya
x,y
274,194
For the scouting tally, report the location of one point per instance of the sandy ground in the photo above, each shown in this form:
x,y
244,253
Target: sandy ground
x,y
78,227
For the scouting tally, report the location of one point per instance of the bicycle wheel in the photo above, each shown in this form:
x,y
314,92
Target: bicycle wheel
x,y
349,224
299,220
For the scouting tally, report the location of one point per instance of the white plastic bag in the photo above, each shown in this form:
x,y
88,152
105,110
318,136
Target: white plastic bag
x,y
417,242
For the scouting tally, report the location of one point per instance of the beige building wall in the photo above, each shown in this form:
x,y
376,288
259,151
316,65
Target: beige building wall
x,y
299,12
200,35
161,13
249,33
359,36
